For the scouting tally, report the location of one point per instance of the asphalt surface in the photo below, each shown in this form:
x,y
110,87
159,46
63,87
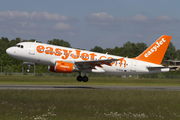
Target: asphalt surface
x,y
59,87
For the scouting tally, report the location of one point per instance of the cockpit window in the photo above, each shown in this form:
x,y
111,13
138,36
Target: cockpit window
x,y
20,46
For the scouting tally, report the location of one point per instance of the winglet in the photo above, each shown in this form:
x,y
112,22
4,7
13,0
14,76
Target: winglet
x,y
155,53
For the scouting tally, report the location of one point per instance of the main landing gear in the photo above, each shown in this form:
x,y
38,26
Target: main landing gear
x,y
84,78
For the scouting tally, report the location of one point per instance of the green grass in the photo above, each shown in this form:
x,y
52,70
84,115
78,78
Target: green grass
x,y
88,104
81,104
114,80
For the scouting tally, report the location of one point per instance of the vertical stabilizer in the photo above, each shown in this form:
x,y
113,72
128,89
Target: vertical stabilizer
x,y
155,53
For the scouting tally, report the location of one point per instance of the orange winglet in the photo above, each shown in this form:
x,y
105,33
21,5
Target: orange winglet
x,y
155,53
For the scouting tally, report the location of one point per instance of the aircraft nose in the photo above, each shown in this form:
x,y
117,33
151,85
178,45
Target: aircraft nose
x,y
10,51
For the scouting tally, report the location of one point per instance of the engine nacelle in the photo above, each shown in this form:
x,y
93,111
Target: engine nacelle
x,y
51,68
63,67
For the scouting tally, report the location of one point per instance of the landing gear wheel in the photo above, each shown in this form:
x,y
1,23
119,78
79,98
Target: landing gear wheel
x,y
79,78
85,79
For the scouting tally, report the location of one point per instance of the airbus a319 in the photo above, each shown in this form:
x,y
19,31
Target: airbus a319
x,y
66,60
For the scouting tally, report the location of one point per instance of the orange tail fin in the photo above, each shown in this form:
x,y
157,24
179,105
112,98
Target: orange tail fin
x,y
155,53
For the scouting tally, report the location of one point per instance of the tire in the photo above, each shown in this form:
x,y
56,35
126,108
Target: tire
x,y
79,78
85,79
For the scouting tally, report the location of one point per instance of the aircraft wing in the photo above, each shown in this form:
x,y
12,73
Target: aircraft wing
x,y
93,63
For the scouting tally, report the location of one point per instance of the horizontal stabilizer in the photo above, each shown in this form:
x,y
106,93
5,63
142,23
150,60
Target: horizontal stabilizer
x,y
154,68
158,68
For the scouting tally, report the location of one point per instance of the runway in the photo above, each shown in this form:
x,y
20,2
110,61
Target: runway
x,y
61,87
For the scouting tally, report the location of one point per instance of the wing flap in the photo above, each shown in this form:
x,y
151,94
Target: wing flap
x,y
93,63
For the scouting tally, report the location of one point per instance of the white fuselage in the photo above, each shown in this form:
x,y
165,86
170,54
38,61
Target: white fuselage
x,y
49,54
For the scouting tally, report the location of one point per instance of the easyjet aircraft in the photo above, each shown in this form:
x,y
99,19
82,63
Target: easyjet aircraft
x,y
66,60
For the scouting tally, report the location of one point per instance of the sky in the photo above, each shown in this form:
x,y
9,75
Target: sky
x,y
89,23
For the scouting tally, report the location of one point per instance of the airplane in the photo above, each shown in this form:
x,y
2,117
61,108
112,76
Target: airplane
x,y
67,60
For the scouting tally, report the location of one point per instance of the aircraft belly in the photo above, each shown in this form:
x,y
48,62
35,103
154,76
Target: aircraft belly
x,y
116,70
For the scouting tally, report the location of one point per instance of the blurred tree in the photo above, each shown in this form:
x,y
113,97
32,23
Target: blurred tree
x,y
4,39
178,53
4,44
118,51
14,41
59,42
129,50
31,40
142,47
97,49
171,52
109,51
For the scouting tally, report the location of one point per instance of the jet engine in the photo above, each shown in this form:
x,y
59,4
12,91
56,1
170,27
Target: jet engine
x,y
63,67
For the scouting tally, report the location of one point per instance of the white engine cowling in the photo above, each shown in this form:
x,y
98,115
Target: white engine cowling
x,y
63,67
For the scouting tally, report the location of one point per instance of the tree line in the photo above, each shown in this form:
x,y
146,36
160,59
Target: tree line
x,y
132,50
129,50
